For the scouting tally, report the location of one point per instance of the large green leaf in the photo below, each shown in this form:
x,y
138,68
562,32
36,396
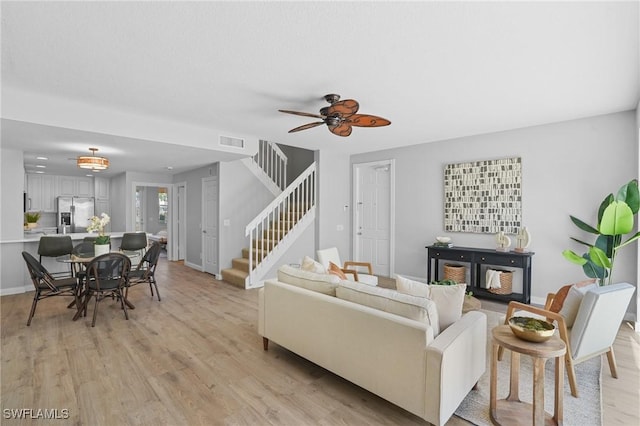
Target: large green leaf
x,y
603,205
606,243
617,219
585,227
599,257
581,242
591,270
629,194
574,258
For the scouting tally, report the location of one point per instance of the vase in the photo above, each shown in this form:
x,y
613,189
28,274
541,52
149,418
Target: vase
x,y
31,225
101,249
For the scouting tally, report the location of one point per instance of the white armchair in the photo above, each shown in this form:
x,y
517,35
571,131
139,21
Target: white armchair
x,y
595,327
349,267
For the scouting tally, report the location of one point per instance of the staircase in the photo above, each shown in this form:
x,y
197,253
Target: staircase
x,y
273,230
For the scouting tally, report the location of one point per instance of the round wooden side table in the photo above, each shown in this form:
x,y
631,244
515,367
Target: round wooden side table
x,y
512,411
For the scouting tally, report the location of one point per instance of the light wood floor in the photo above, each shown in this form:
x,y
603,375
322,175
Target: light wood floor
x,y
196,358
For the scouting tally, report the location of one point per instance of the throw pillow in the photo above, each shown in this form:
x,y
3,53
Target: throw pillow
x,y
561,295
572,302
414,288
449,300
308,264
335,270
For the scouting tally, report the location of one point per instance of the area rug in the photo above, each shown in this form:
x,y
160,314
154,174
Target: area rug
x,y
586,410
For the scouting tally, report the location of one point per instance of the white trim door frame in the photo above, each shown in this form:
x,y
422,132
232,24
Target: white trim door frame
x,y
170,244
373,230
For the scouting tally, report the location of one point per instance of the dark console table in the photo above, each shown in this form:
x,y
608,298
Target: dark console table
x,y
476,258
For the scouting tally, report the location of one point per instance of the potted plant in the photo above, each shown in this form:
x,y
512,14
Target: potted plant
x,y
31,219
98,223
615,220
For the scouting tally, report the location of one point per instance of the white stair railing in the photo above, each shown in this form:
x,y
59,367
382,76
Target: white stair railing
x,y
274,224
273,162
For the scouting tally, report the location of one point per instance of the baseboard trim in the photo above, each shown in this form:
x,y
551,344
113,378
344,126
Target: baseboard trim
x,y
14,290
194,266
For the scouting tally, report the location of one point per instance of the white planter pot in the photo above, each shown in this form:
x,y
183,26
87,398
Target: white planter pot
x,y
101,249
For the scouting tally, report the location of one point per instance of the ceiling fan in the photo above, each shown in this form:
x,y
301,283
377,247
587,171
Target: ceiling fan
x,y
339,117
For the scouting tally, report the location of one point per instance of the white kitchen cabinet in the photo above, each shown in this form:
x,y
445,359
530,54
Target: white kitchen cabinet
x,y
102,206
41,193
70,186
101,188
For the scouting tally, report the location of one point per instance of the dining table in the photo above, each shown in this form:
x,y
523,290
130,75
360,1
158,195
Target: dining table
x,y
79,264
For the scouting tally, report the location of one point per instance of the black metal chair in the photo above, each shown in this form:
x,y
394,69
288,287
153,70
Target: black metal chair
x,y
106,276
133,243
145,271
55,246
46,285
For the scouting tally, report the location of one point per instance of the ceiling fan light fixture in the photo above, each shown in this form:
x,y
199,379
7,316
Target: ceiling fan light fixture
x,y
92,162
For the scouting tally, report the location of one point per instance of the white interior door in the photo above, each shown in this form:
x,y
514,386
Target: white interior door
x,y
373,215
210,225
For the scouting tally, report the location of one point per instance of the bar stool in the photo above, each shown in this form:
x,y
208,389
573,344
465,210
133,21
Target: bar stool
x,y
55,246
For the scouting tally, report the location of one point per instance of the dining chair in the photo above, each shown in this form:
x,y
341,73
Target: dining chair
x,y
145,271
133,243
106,276
46,285
331,255
55,246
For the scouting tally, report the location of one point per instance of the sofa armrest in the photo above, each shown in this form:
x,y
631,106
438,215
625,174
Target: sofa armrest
x,y
261,312
455,361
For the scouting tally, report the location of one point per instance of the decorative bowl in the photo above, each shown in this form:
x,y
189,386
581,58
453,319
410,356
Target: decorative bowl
x,y
531,329
443,239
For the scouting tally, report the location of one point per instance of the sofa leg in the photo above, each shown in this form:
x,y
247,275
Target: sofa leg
x,y
265,343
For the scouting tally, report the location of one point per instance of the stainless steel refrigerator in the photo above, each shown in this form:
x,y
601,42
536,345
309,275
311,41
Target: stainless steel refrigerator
x,y
74,213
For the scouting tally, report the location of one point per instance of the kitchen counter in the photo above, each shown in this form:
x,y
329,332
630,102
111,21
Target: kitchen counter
x,y
30,237
14,276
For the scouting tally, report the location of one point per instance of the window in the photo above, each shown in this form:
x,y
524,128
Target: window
x,y
163,205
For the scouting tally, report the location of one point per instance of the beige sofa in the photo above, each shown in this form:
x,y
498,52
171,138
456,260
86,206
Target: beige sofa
x,y
395,357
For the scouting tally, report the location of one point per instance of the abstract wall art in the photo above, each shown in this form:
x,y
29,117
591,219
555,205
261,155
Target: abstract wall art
x,y
483,196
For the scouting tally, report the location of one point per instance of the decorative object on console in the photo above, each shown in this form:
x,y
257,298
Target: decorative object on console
x,y
443,242
503,242
523,240
483,196
531,329
615,219
457,273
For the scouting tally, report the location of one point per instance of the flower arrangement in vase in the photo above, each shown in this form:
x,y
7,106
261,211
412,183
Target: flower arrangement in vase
x,y
98,223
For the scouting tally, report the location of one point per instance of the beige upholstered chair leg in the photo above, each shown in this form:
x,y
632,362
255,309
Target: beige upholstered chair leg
x,y
612,363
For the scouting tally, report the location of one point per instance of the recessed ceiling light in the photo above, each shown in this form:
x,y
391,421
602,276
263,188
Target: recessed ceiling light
x,y
169,167
39,172
41,166
89,175
42,158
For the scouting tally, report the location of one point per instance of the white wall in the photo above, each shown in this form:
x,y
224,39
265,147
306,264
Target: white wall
x,y
334,189
568,168
12,267
242,197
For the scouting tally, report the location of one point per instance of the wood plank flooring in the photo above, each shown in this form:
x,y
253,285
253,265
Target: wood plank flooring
x,y
196,358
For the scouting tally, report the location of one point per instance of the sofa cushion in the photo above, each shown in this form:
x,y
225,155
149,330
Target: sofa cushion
x,y
322,283
448,298
308,264
388,300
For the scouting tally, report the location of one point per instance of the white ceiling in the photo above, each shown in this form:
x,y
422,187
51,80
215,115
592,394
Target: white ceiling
x,y
437,70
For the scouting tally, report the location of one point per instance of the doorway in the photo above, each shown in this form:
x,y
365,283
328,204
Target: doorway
x,y
152,211
373,215
210,225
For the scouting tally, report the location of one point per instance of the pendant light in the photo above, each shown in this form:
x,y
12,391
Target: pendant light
x,y
92,161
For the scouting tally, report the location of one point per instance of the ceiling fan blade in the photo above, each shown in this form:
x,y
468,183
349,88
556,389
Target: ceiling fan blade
x,y
343,108
342,129
305,114
306,126
365,120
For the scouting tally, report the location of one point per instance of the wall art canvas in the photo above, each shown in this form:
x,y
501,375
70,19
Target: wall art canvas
x,y
483,196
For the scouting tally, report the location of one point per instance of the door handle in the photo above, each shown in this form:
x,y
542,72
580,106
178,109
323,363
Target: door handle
x,y
359,233
204,231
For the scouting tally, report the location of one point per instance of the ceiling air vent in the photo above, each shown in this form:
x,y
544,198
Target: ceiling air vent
x,y
233,142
